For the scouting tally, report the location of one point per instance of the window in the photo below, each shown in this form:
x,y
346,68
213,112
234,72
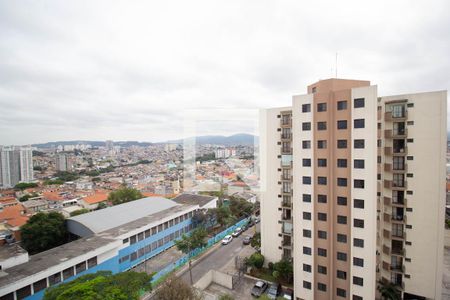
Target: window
x,y
132,239
140,236
306,198
342,124
358,163
341,292
342,200
92,262
342,238
306,126
358,144
342,181
322,144
410,105
321,107
80,267
358,280
322,180
358,243
322,198
342,105
23,292
307,250
355,297
54,279
321,125
306,180
67,273
341,163
322,252
124,241
398,111
358,183
321,162
322,269
40,285
358,223
358,123
322,234
306,215
342,144
306,285
306,108
306,233
307,162
341,274
322,287
341,256
307,268
148,233
342,219
398,163
358,203
358,103
306,144
322,216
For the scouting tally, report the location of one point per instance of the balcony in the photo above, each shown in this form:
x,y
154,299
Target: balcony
x,y
286,150
386,266
388,116
401,234
286,136
400,151
398,251
286,204
386,217
400,167
398,268
286,228
386,250
286,122
387,167
400,202
387,150
398,184
386,234
387,184
387,200
400,133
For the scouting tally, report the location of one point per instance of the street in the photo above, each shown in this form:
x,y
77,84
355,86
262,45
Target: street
x,y
218,258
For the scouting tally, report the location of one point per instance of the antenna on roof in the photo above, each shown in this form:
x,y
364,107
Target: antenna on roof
x,y
336,64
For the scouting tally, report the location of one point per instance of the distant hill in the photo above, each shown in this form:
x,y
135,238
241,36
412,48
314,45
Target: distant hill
x,y
92,143
232,140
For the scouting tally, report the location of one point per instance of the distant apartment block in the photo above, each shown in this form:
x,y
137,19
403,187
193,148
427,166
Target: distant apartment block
x,y
353,190
63,162
16,165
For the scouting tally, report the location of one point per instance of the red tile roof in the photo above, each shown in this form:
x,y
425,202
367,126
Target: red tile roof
x,y
14,215
97,197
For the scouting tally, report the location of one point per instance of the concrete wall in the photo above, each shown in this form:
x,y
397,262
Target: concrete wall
x,y
214,276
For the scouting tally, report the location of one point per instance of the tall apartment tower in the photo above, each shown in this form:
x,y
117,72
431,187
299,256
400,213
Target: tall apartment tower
x,y
330,170
63,162
16,165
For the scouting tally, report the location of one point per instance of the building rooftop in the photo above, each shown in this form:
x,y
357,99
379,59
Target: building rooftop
x,y
193,199
50,258
107,218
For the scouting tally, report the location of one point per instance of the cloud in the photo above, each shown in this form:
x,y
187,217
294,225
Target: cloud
x,y
120,70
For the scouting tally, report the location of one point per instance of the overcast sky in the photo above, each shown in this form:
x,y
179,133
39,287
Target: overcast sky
x,y
129,70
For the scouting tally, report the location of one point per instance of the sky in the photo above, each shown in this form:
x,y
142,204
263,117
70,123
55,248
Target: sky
x,y
133,70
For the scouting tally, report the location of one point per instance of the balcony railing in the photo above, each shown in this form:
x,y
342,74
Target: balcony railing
x,y
286,136
387,200
389,117
400,151
287,204
387,150
402,202
386,234
387,167
398,251
400,133
386,250
386,217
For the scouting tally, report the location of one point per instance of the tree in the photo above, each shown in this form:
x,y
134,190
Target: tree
x,y
223,214
255,260
124,195
25,185
388,290
226,297
28,196
175,288
43,231
101,205
67,176
79,212
102,285
187,243
240,207
256,240
285,270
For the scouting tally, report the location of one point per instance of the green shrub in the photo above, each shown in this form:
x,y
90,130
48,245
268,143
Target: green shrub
x,y
256,260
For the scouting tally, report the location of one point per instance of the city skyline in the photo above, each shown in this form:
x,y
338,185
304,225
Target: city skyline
x,y
70,72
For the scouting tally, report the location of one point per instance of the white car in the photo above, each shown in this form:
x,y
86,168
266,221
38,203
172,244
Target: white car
x,y
227,239
237,232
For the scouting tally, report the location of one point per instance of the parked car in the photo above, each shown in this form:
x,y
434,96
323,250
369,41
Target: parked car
x,y
237,232
247,240
227,239
274,291
259,288
288,294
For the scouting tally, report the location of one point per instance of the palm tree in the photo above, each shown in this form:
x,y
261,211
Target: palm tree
x,y
388,290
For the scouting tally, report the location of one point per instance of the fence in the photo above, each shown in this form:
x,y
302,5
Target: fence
x,y
183,260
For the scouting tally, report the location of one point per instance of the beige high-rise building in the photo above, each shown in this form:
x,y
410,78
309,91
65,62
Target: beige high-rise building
x,y
353,190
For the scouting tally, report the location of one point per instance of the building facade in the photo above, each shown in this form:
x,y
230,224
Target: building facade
x,y
324,169
110,240
16,165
